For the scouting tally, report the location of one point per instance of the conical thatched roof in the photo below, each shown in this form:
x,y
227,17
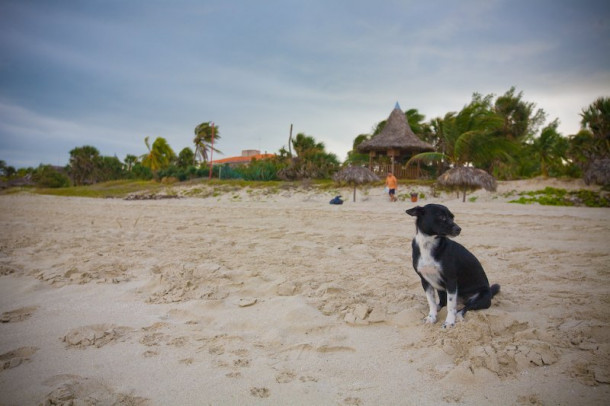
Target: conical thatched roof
x,y
355,175
396,135
463,177
467,178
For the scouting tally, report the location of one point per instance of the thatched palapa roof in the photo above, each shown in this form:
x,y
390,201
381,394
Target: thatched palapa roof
x,y
467,178
355,175
463,177
396,135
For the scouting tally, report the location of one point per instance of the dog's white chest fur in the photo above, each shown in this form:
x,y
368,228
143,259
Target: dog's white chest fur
x,y
427,266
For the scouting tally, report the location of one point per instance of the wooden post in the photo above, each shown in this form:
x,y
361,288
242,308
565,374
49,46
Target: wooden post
x,y
212,152
392,153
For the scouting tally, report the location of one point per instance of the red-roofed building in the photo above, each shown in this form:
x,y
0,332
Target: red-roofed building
x,y
247,155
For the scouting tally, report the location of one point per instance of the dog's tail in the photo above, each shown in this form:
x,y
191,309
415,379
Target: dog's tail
x,y
495,288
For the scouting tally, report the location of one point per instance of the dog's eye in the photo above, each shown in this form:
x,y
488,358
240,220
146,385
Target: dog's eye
x,y
442,218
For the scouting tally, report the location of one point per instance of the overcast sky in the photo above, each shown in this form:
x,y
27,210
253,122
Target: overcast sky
x,y
108,73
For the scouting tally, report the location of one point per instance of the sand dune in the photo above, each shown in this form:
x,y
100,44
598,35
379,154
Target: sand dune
x,y
275,299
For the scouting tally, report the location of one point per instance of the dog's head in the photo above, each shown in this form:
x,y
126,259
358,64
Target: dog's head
x,y
435,219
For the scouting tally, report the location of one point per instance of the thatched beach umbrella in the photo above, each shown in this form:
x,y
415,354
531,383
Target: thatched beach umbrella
x,y
395,139
355,175
466,178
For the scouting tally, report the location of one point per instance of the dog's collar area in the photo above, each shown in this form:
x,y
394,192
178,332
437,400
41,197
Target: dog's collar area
x,y
435,236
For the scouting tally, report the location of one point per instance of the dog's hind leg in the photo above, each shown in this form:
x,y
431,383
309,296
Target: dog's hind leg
x,y
481,300
442,296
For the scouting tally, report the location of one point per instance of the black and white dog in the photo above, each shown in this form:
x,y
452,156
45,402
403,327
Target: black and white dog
x,y
446,266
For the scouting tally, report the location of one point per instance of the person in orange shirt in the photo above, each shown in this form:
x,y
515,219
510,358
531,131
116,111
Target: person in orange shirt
x,y
392,184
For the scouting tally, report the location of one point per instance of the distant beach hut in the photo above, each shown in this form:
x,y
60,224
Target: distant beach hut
x,y
395,140
464,178
355,175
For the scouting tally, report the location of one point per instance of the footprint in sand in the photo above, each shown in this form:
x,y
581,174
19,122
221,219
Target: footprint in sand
x,y
73,390
187,361
241,362
96,335
233,375
13,359
18,314
260,392
285,377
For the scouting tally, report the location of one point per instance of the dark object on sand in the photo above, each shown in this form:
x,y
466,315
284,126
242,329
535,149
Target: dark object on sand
x,y
336,200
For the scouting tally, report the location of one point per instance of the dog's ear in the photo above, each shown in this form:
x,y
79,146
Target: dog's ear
x,y
416,211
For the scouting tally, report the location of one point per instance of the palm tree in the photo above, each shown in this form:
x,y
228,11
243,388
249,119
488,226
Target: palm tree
x,y
550,148
354,157
590,148
312,160
521,119
186,158
415,120
130,161
84,164
596,118
305,145
159,156
467,137
203,140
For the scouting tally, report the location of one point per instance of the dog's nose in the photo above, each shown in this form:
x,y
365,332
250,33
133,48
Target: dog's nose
x,y
456,230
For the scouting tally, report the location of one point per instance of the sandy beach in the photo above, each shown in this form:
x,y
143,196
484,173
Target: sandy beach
x,y
248,298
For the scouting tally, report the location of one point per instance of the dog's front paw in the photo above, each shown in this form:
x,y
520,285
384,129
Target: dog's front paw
x,y
430,319
448,324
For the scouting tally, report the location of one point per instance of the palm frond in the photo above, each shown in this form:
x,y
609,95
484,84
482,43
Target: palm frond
x,y
428,157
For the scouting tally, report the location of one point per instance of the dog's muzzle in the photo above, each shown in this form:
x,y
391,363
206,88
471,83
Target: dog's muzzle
x,y
455,230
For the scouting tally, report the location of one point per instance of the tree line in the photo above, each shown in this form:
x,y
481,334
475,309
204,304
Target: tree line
x,y
505,135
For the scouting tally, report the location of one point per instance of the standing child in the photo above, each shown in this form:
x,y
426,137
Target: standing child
x,y
392,184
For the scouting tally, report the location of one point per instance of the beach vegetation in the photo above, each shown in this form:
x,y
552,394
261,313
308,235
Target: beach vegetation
x,y
549,150
159,156
110,189
486,134
186,158
357,158
504,135
6,171
551,196
51,177
311,160
589,149
84,164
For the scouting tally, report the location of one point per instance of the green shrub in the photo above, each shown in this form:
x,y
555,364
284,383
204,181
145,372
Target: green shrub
x,y
550,196
47,176
263,170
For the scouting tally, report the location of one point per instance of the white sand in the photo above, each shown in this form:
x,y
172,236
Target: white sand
x,y
283,299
